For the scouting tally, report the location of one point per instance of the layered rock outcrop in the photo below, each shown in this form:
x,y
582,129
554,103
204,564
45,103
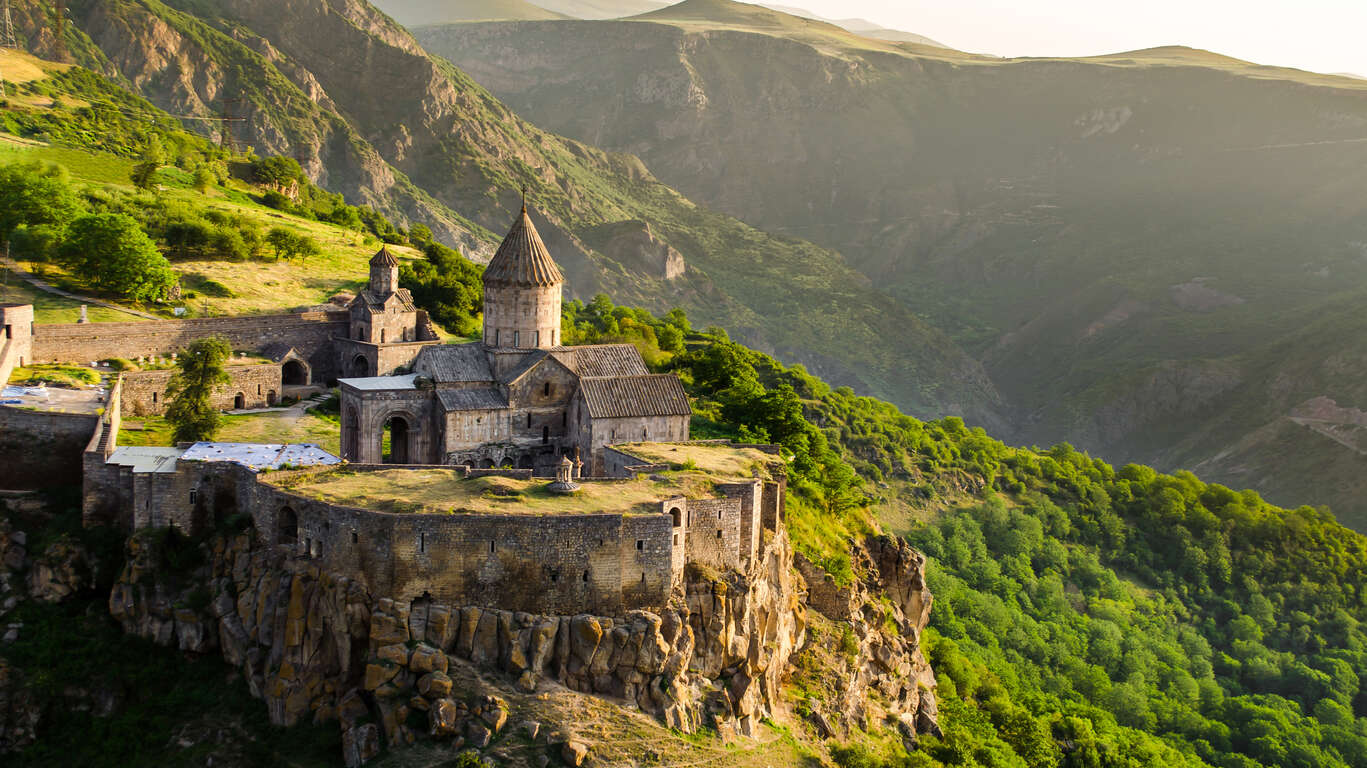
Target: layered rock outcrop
x,y
321,646
886,609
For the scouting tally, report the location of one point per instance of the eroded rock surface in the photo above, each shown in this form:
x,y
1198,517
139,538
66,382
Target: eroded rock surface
x,y
320,646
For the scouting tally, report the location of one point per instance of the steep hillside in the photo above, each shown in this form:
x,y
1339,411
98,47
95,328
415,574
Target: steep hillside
x,y
437,133
1123,241
416,13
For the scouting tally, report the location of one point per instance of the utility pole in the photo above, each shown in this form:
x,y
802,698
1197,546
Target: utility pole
x,y
7,38
59,30
226,136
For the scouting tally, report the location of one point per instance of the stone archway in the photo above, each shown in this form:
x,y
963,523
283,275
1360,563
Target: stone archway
x,y
240,401
399,433
360,367
294,373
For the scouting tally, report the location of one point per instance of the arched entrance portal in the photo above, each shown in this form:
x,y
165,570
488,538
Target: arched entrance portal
x,y
397,441
240,401
360,367
293,373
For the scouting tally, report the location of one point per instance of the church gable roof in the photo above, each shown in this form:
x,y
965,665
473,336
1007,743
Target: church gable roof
x,y
471,400
376,303
602,360
624,397
455,363
522,259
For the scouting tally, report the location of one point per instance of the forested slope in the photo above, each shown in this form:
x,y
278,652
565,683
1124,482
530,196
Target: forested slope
x,y
1085,615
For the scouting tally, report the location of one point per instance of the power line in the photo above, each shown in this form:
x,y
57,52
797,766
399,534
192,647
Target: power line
x,y
227,120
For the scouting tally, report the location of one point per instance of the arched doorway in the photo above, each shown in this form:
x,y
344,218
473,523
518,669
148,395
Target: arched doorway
x,y
360,367
240,401
396,441
676,517
486,464
270,398
286,527
293,373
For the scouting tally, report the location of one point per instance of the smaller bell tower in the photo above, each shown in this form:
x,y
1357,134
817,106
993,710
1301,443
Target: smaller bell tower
x,y
384,273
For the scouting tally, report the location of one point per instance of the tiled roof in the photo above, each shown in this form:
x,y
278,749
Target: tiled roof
x,y
376,301
527,363
602,360
471,399
453,363
620,397
522,259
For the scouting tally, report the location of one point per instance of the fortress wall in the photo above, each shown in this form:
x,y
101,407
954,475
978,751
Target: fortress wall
x,y
538,563
16,338
647,565
309,332
42,448
751,497
772,512
714,532
145,391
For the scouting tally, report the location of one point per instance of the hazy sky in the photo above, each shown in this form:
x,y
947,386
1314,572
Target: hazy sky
x,y
1318,35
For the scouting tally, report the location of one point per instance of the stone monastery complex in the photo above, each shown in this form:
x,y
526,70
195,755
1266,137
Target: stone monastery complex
x,y
521,474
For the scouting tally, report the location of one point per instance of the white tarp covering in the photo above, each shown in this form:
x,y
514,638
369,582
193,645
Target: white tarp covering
x,y
259,456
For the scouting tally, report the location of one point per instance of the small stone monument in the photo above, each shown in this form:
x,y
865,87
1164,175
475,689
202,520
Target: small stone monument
x,y
564,477
84,318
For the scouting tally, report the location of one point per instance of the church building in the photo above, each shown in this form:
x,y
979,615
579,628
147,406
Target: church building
x,y
518,397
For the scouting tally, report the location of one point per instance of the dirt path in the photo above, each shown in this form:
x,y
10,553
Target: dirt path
x,y
29,278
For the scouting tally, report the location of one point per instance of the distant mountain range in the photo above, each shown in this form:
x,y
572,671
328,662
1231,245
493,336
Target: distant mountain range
x,y
1157,255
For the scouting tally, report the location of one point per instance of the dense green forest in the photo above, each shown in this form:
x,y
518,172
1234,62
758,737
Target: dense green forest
x,y
1084,615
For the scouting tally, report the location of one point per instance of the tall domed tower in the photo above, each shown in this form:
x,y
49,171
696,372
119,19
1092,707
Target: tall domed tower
x,y
522,292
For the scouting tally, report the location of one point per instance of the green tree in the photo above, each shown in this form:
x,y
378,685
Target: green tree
x,y
204,178
145,173
113,254
199,370
35,194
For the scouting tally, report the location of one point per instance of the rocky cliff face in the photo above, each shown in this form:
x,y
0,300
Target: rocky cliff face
x,y
319,646
886,678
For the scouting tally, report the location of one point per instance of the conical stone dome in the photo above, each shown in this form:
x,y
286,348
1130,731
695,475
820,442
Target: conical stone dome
x,y
383,258
522,259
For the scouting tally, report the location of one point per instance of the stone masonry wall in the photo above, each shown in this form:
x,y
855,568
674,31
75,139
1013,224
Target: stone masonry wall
x,y
144,392
713,527
309,332
42,448
16,338
535,563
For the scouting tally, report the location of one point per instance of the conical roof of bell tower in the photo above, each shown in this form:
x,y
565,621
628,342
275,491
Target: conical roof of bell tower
x,y
522,259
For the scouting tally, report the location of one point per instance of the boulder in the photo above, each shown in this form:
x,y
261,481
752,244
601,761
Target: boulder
x,y
434,685
442,719
425,659
478,734
574,752
360,744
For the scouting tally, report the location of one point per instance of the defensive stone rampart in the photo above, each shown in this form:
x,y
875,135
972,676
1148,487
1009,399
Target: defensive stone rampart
x,y
310,333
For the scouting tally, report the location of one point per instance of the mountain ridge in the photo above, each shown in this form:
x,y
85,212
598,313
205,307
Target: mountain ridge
x,y
1079,226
